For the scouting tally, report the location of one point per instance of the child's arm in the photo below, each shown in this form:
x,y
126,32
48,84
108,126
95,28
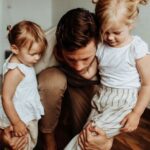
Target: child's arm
x,y
144,93
11,81
131,121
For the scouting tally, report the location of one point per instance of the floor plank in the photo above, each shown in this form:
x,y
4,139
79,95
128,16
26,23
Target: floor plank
x,y
137,140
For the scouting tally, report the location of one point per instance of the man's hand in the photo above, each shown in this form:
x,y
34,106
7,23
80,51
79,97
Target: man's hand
x,y
16,143
94,138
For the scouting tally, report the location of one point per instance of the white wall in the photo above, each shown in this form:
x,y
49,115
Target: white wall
x,y
57,9
143,24
82,4
1,33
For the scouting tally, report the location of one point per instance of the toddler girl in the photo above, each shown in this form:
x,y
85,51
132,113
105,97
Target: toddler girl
x,y
123,66
20,106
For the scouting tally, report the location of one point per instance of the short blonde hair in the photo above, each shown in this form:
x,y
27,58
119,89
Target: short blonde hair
x,y
108,11
25,33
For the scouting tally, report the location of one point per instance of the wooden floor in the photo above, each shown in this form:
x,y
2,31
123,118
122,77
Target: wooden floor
x,y
137,140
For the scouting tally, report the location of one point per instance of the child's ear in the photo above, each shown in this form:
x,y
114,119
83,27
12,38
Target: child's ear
x,y
94,1
14,49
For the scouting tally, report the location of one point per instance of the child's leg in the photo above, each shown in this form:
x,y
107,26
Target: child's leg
x,y
110,107
110,120
32,136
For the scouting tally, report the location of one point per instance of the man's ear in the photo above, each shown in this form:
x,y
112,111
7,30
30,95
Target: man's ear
x,y
14,49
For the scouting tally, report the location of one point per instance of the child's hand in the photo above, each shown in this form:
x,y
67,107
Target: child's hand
x,y
20,129
130,122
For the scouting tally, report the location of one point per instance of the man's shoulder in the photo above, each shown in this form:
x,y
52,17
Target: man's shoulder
x,y
48,58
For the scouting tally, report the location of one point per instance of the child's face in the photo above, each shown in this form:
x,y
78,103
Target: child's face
x,y
31,56
117,35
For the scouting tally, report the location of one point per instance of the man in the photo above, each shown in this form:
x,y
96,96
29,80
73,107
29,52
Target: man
x,y
66,90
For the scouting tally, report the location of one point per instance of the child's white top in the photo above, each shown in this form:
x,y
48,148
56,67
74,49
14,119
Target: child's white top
x,y
118,65
26,98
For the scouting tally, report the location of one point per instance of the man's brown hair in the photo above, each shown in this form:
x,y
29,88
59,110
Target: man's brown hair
x,y
75,30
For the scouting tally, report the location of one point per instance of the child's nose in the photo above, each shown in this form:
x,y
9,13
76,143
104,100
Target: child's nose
x,y
110,37
37,57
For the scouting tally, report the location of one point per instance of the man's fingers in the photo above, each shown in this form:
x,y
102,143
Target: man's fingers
x,y
80,138
98,131
18,143
22,143
123,122
88,125
80,143
83,138
8,130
